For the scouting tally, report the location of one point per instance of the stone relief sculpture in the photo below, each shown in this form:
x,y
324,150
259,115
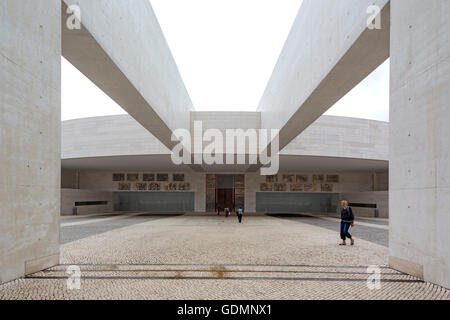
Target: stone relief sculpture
x,y
124,186
184,186
266,187
296,187
178,177
310,187
148,177
162,177
170,186
118,177
288,178
154,186
270,179
280,187
333,178
141,186
301,178
318,178
133,177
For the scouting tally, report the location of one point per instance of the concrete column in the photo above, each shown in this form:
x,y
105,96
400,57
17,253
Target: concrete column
x,y
30,73
420,139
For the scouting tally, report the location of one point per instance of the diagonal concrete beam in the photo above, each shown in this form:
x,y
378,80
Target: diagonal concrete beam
x,y
122,50
328,52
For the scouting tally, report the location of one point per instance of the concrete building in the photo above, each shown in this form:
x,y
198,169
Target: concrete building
x,y
334,158
109,163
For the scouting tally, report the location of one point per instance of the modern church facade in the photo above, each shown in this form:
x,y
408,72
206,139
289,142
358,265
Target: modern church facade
x,y
113,164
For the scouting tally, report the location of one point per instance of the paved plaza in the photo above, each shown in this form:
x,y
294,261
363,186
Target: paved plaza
x,y
148,256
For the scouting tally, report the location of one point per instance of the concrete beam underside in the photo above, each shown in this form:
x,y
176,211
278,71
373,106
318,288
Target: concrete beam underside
x,y
122,50
328,52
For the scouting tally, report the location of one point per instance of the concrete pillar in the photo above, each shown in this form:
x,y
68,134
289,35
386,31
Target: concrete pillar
x,y
30,73
420,139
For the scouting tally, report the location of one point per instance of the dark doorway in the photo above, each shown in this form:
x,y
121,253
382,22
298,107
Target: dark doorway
x,y
225,190
224,198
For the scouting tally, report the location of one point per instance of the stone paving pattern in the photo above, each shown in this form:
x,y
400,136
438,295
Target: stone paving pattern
x,y
210,257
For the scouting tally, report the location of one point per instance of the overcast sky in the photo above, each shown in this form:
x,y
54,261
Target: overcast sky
x,y
226,51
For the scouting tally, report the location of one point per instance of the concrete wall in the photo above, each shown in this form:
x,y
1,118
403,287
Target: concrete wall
x,y
329,136
122,49
381,181
102,181
342,137
380,198
420,139
107,136
30,73
70,196
328,52
353,183
69,179
348,183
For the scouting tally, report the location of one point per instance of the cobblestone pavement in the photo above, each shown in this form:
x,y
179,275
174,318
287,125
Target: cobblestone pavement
x,y
210,257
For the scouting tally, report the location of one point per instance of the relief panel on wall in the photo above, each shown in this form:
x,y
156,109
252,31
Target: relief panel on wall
x,y
118,176
154,186
239,198
178,177
318,178
124,186
184,186
288,178
326,187
141,186
273,178
148,177
170,187
162,177
210,192
266,187
333,178
279,187
301,178
296,187
239,190
309,187
239,181
210,181
133,177
210,200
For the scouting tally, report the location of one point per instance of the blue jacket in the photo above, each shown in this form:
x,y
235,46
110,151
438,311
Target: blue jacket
x,y
347,215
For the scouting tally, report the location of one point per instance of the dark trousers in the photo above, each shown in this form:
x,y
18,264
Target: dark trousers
x,y
344,230
239,217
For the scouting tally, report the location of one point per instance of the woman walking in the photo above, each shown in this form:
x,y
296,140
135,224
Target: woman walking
x,y
347,221
239,214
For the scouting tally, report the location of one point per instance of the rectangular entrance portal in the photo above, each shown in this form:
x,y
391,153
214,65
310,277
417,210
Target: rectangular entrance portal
x,y
225,190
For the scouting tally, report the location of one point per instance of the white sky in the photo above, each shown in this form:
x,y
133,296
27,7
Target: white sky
x,y
226,51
